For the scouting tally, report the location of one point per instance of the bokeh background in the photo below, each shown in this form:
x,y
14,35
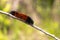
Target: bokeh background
x,y
45,13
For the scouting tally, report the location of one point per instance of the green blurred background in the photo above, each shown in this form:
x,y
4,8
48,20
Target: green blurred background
x,y
45,13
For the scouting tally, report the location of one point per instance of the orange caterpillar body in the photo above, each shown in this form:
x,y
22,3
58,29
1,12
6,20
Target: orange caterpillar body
x,y
24,17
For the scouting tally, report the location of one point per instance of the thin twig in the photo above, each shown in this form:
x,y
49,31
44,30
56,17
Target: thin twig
x,y
38,28
34,26
10,15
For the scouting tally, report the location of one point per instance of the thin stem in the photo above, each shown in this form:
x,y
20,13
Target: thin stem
x,y
38,28
34,26
8,14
